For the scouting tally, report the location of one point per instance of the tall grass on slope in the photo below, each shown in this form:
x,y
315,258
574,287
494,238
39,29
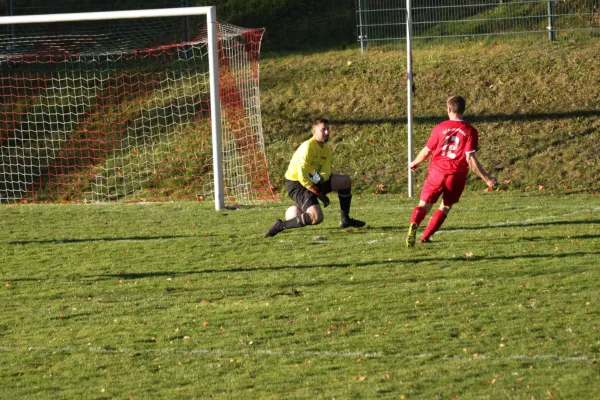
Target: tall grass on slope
x,y
537,108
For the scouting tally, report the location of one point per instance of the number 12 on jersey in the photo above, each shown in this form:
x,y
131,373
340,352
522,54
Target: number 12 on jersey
x,y
450,146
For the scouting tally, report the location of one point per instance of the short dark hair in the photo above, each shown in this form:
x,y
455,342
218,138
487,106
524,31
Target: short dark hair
x,y
320,120
457,104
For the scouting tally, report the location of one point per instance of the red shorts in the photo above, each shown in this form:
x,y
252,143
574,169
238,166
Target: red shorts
x,y
450,185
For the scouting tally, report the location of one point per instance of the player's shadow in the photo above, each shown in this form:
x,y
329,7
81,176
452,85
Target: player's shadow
x,y
435,119
551,238
449,229
372,263
90,240
522,224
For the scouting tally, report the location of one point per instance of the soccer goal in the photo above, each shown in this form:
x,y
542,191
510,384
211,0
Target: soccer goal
x,y
147,105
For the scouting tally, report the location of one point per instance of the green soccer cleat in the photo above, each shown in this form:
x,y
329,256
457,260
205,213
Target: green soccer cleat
x,y
411,237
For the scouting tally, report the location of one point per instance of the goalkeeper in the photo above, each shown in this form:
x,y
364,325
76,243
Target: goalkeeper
x,y
309,180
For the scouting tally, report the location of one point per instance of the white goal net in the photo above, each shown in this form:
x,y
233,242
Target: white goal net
x,y
120,110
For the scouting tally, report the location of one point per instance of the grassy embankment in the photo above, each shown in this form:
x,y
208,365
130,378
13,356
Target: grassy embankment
x,y
536,105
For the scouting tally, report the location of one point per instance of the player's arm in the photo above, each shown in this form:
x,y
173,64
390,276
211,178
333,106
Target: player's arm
x,y
475,165
422,156
304,168
326,168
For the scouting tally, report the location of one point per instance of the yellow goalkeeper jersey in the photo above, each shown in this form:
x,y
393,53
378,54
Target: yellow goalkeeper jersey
x,y
309,158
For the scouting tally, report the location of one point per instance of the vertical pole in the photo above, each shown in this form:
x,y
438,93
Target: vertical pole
x,y
215,108
10,13
186,21
409,90
360,27
551,20
365,22
186,28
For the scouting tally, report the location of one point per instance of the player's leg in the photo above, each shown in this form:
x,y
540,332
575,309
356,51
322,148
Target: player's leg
x,y
416,218
454,186
342,184
435,222
432,189
419,212
309,203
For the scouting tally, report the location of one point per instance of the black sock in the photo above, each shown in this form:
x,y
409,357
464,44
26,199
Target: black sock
x,y
345,196
298,222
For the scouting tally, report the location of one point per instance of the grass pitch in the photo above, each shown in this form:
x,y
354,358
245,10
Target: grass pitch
x,y
180,301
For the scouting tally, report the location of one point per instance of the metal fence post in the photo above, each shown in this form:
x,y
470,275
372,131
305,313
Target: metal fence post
x,y
186,21
10,12
360,26
551,20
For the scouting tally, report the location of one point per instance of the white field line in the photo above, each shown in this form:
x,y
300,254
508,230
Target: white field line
x,y
349,354
527,221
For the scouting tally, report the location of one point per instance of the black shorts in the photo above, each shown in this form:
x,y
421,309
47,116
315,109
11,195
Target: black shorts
x,y
304,197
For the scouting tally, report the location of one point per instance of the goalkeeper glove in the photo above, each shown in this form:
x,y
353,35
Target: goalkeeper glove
x,y
320,195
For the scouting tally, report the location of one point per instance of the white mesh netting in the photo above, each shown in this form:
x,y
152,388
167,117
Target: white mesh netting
x,y
121,111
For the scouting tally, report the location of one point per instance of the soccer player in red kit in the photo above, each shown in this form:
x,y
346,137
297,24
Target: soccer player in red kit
x,y
452,146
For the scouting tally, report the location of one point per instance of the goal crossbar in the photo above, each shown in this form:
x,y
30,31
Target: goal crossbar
x,y
108,15
211,16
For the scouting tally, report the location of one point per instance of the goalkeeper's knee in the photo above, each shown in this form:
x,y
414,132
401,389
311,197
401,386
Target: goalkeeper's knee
x,y
307,219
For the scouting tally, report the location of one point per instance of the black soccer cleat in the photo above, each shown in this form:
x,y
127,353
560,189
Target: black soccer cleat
x,y
277,227
351,223
425,240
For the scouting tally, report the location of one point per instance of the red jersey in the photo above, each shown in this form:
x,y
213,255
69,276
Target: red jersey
x,y
450,142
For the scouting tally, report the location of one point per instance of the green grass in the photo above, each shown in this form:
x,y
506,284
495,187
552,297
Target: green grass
x,y
175,300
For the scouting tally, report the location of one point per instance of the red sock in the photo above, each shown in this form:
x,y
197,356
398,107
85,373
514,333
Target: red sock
x,y
437,219
418,215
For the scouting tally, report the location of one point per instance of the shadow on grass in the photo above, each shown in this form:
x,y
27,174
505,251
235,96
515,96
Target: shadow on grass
x,y
524,224
501,225
89,240
435,119
143,275
548,238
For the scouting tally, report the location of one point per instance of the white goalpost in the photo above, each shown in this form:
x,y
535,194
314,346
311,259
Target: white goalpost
x,y
109,106
409,89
